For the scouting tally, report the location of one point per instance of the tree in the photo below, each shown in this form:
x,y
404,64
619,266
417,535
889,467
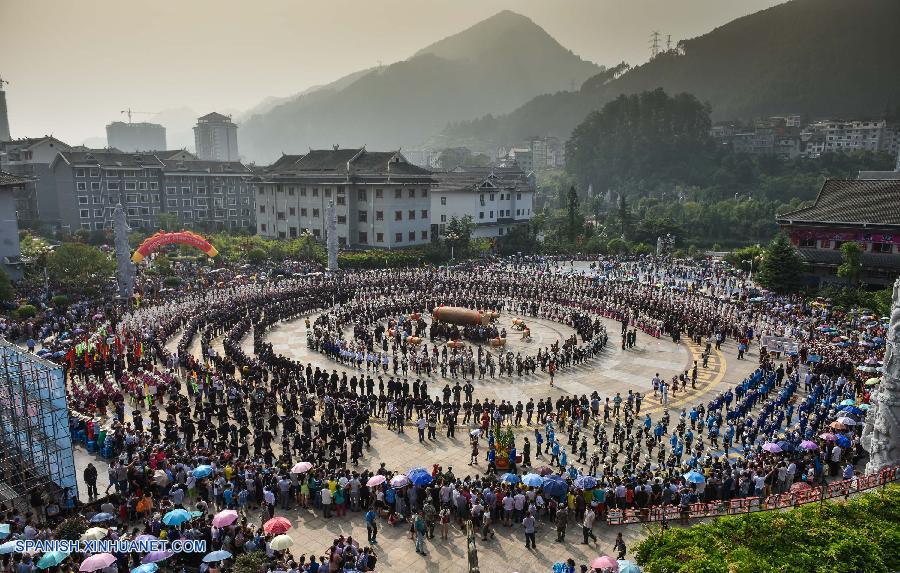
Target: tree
x,y
459,233
572,213
741,258
781,267
7,292
168,221
79,268
851,265
624,217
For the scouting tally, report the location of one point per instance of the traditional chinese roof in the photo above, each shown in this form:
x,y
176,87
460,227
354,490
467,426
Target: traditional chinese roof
x,y
851,202
347,163
833,258
10,180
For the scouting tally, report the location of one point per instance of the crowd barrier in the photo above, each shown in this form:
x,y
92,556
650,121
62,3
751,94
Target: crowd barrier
x,y
752,504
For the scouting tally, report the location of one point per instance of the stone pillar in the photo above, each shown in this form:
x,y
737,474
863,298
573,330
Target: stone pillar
x,y
881,434
124,266
331,239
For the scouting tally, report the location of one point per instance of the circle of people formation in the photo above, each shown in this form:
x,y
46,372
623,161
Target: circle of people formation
x,y
239,431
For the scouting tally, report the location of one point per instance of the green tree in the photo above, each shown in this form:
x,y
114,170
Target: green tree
x,y
168,221
741,258
7,292
574,221
163,265
781,267
458,234
79,268
851,265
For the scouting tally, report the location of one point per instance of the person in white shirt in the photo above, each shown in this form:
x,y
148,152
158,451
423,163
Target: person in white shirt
x,y
326,501
587,526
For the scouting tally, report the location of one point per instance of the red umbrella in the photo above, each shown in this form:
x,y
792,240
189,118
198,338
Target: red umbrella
x,y
277,525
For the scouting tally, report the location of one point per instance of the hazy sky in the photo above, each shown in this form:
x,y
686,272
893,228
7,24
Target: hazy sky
x,y
73,65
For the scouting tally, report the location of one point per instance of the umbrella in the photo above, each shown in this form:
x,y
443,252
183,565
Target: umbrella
x,y
399,480
827,436
808,445
771,447
225,518
842,441
155,556
100,517
418,476
52,558
94,533
799,486
864,407
605,563
554,486
848,402
176,517
202,471
281,542
585,482
510,478
628,567
214,556
475,433
694,477
145,537
146,568
837,425
785,446
276,525
532,480
376,480
7,547
161,478
847,421
301,468
544,471
853,410
872,381
97,561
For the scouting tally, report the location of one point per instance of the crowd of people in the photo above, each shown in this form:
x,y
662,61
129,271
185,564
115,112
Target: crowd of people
x,y
255,431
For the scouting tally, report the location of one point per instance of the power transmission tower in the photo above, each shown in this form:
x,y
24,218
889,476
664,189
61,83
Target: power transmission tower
x,y
654,44
669,42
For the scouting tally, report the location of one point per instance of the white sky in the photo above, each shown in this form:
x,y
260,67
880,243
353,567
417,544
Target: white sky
x,y
73,65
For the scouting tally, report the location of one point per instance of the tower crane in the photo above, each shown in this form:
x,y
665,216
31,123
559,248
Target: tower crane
x,y
129,112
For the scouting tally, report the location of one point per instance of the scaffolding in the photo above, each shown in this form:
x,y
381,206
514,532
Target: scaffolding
x,y
37,465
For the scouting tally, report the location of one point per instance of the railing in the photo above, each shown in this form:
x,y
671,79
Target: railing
x,y
751,504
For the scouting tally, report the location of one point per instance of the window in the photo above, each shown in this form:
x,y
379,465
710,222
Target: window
x,y
363,237
491,214
303,191
412,235
201,190
292,230
112,172
95,185
98,226
280,216
112,185
188,214
97,200
81,186
808,243
84,213
424,235
171,190
262,208
98,213
379,237
317,233
79,172
262,227
95,172
303,211
261,190
424,213
363,217
412,193
342,219
397,193
379,215
142,185
398,215
185,202
281,235
398,237
292,211
837,244
290,191
130,186
379,194
342,241
443,200
500,231
341,200
882,248
361,196
481,199
328,193
412,215
481,214
315,213
492,196
315,192
131,198
232,212
200,202
424,192
518,196
171,202
154,186
129,173
443,218
82,200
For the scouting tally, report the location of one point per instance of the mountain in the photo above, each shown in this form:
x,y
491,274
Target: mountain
x,y
492,67
818,58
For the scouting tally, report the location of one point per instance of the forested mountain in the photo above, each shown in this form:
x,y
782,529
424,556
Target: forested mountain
x,y
492,67
813,57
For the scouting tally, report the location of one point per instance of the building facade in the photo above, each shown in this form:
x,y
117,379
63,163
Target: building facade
x,y
30,158
381,199
10,254
131,137
215,138
215,194
497,199
866,212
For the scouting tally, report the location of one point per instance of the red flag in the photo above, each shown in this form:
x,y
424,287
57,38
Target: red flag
x,y
70,357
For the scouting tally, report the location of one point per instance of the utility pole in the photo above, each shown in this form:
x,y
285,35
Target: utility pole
x,y
654,44
669,42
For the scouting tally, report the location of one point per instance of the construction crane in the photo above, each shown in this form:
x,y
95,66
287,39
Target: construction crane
x,y
129,111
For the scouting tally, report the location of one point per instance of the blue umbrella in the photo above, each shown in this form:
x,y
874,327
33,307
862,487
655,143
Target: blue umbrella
x,y
419,476
176,517
694,477
848,402
4,530
852,410
842,441
510,478
7,547
532,480
219,555
202,471
146,568
786,446
555,486
628,567
585,482
51,559
100,517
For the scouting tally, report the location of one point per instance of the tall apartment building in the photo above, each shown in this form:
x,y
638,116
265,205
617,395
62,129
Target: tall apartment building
x,y
215,137
131,137
30,158
218,194
497,198
381,199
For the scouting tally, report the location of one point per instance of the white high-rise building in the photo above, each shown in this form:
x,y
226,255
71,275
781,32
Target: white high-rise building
x,y
215,137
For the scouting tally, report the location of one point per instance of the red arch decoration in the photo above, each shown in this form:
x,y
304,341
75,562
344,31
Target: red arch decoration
x,y
159,239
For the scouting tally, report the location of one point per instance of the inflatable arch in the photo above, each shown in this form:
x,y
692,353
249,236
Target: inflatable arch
x,y
161,238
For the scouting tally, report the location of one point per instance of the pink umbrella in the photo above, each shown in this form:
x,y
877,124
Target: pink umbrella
x,y
771,447
98,561
155,556
301,468
225,518
277,525
828,436
376,480
808,445
605,563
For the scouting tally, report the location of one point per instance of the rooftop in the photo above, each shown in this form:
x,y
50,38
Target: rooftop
x,y
479,177
870,202
214,116
10,180
198,166
110,158
345,162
